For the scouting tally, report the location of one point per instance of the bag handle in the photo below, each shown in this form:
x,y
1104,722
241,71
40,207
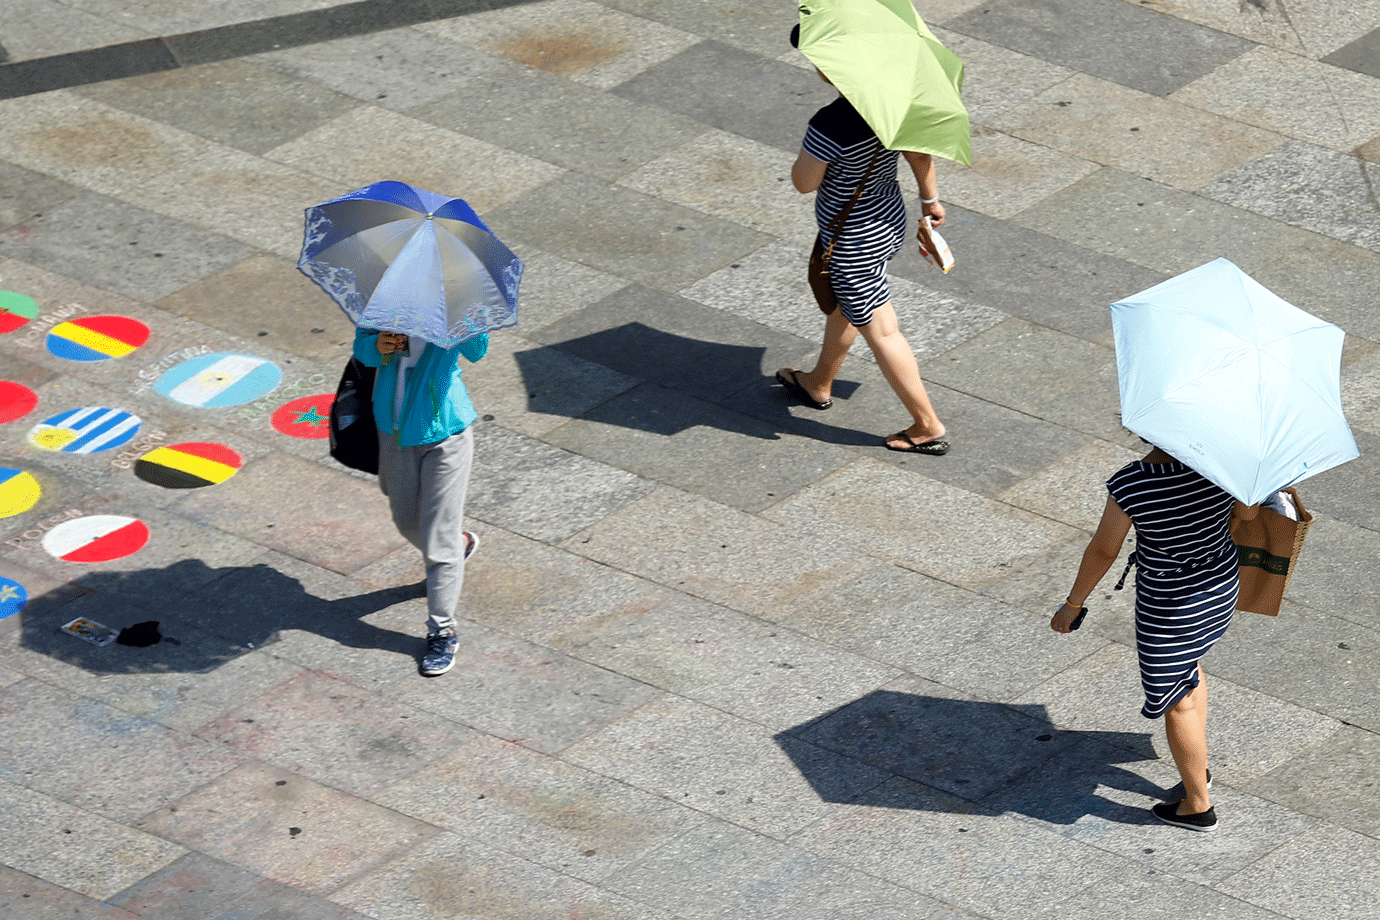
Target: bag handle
x,y
836,225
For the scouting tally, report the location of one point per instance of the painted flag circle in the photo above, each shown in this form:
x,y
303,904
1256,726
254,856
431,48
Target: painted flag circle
x,y
220,379
308,417
87,430
16,401
19,491
96,538
96,338
189,465
15,310
13,597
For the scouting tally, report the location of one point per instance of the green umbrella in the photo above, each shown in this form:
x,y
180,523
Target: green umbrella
x,y
888,64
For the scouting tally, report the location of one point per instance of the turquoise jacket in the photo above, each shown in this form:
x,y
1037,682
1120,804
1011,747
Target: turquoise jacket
x,y
435,402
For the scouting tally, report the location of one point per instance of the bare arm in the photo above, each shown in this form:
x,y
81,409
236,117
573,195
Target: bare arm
x,y
1102,551
807,173
922,164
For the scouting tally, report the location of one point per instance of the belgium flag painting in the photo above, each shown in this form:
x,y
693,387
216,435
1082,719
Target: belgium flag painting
x,y
189,465
96,338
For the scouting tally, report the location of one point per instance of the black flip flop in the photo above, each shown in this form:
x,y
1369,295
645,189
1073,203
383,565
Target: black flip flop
x,y
933,448
792,385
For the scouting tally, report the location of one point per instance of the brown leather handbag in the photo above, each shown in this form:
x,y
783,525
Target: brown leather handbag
x,y
819,256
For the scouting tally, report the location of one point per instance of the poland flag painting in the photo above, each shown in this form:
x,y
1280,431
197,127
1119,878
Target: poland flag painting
x,y
96,538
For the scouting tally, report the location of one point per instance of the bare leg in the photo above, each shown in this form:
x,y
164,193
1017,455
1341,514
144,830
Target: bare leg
x,y
897,362
839,336
1185,725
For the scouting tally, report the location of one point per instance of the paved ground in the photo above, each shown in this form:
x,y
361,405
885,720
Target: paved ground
x,y
723,656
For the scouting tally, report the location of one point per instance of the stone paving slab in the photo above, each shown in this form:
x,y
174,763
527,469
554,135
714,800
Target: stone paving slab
x,y
721,655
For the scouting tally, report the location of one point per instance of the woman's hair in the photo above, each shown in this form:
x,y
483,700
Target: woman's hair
x,y
795,36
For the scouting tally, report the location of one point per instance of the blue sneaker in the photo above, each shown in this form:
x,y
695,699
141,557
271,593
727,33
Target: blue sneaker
x,y
440,654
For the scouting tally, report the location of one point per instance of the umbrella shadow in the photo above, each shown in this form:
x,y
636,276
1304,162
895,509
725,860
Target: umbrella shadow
x,y
968,756
690,383
206,617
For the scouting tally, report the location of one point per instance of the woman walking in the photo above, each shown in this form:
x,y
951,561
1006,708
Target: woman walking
x,y
1186,590
426,446
840,153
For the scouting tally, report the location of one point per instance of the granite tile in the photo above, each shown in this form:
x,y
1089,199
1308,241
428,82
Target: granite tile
x,y
622,232
918,523
395,68
1073,490
1010,175
1361,55
938,845
1138,893
719,871
524,693
75,849
994,78
723,766
239,103
1171,141
1309,187
368,143
25,194
1175,52
727,660
301,509
1314,102
1328,872
265,297
23,895
724,87
1312,29
532,389
584,42
923,626
1034,370
1333,781
550,118
1333,574
731,178
931,734
1345,492
38,30
543,492
336,734
103,242
98,759
683,442
696,546
454,876
750,26
297,832
553,288
650,335
1250,732
539,808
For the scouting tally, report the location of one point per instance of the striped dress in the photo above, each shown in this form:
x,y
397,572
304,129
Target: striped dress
x,y
1186,573
876,227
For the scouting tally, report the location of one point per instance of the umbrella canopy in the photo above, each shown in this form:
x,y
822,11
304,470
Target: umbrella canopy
x,y
401,259
1232,380
888,64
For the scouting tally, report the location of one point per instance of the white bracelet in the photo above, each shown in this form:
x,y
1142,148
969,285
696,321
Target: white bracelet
x,y
929,200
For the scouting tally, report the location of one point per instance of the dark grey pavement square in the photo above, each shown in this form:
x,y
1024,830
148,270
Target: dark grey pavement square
x,y
726,88
1361,55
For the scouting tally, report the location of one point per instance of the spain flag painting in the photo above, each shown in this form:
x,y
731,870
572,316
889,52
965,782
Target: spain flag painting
x,y
189,465
96,538
19,491
96,338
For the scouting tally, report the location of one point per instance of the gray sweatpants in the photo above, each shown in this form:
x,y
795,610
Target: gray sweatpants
x,y
426,487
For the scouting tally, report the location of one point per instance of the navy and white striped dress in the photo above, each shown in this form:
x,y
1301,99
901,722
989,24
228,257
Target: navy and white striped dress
x,y
876,227
1186,573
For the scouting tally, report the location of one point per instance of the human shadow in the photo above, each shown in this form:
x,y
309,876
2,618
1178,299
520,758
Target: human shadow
x,y
207,617
688,382
968,756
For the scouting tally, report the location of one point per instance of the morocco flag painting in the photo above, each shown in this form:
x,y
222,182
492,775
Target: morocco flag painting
x,y
96,538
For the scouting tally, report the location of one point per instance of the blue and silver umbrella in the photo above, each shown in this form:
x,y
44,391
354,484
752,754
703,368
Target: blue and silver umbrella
x,y
1232,380
401,259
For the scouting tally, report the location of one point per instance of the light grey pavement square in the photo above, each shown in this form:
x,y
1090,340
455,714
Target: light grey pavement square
x,y
1361,55
1332,781
1170,51
1340,879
